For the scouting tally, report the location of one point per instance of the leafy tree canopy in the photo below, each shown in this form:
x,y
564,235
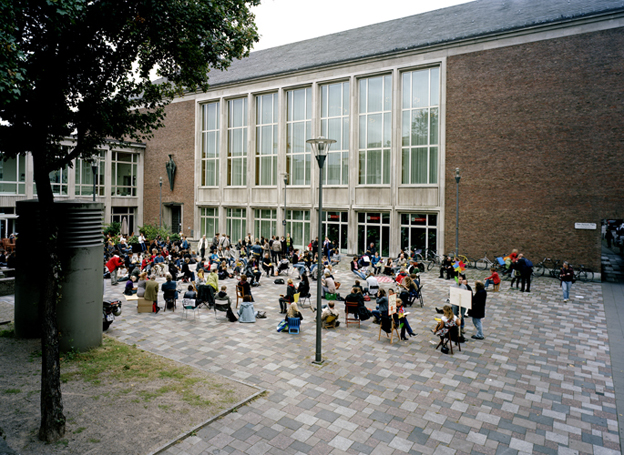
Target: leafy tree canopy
x,y
82,67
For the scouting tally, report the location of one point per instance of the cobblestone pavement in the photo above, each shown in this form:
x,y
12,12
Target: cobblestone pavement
x,y
539,383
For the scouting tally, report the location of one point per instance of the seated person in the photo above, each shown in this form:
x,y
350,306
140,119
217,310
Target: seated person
x,y
223,299
141,284
289,297
130,289
293,312
382,306
252,270
389,268
400,320
267,265
304,286
328,284
376,262
355,268
358,286
361,312
213,279
332,313
373,284
200,278
223,272
408,290
401,275
447,266
447,321
494,278
246,312
191,293
243,284
169,285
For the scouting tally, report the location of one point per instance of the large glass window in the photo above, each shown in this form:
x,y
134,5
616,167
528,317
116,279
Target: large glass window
x,y
237,142
420,126
84,176
124,173
298,226
210,144
236,224
58,181
419,231
299,130
119,214
375,130
13,175
336,228
265,223
374,228
266,139
209,219
335,125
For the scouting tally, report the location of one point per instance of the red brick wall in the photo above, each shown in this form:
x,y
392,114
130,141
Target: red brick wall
x,y
177,137
538,134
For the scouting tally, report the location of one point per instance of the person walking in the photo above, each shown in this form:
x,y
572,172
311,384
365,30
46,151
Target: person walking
x,y
477,312
203,244
566,276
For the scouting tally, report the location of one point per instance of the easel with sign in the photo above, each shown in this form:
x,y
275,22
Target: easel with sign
x,y
391,327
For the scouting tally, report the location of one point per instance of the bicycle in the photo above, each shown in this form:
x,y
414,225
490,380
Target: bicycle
x,y
547,263
432,258
583,274
484,263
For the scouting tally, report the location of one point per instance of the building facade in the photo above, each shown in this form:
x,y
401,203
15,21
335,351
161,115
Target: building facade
x,y
118,184
524,97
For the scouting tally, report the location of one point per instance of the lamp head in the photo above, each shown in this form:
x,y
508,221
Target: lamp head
x,y
457,176
320,146
160,180
285,177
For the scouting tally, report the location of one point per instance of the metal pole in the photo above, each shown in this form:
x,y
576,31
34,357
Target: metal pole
x,y
457,220
284,223
318,358
94,171
160,206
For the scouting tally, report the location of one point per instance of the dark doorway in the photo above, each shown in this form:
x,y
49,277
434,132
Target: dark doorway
x,y
176,219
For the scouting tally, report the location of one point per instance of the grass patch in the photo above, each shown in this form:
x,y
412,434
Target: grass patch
x,y
79,430
12,391
9,332
93,440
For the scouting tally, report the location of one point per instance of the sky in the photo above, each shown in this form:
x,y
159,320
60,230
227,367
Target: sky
x,y
288,21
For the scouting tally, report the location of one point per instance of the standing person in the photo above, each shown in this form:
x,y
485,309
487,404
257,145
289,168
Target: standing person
x,y
566,276
276,251
477,312
113,266
526,269
142,242
289,243
203,244
609,237
151,293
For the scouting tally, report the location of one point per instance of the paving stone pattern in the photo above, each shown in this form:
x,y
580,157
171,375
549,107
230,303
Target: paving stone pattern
x,y
539,383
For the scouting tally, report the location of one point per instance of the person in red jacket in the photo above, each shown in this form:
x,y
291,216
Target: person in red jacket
x,y
113,265
493,278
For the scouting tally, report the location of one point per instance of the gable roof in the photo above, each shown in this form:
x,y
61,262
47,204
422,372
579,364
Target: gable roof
x,y
469,20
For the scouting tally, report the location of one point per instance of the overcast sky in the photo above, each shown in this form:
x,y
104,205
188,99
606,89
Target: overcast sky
x,y
288,21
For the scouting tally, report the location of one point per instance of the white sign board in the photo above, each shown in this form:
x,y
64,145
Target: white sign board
x,y
392,304
584,225
460,297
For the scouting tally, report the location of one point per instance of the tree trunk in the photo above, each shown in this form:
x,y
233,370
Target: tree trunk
x,y
52,418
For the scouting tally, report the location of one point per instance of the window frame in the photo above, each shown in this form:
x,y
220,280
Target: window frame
x,y
203,221
134,166
20,160
100,186
230,218
260,222
274,128
242,156
291,124
305,221
343,143
206,132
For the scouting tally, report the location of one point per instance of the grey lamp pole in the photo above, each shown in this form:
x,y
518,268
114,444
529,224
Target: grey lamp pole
x,y
285,175
94,166
160,206
457,179
320,147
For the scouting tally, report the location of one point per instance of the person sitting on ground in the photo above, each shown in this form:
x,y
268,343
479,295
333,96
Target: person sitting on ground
x,y
388,267
328,285
187,274
293,312
382,306
200,278
447,266
332,313
355,268
130,289
267,265
223,299
223,271
246,312
141,284
243,284
304,286
373,284
288,298
358,286
493,278
401,275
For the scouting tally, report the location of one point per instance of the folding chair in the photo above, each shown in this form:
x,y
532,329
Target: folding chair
x,y
303,300
388,325
330,322
351,308
293,325
447,339
189,305
240,295
170,299
221,307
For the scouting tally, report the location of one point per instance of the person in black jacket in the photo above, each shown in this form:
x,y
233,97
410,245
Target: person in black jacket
x,y
304,286
526,269
477,312
566,276
289,297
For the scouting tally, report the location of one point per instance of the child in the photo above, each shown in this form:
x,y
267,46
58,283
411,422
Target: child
x,y
130,289
493,278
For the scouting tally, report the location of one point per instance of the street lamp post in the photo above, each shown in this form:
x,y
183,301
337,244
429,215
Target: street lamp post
x,y
285,175
94,166
320,147
457,179
160,206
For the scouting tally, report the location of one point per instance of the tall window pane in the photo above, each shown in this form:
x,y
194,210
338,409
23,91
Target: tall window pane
x,y
375,95
210,144
13,175
236,224
298,131
335,125
266,139
298,226
124,173
84,176
237,142
265,223
420,126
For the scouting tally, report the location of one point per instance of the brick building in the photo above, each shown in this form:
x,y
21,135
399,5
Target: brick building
x,y
524,96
